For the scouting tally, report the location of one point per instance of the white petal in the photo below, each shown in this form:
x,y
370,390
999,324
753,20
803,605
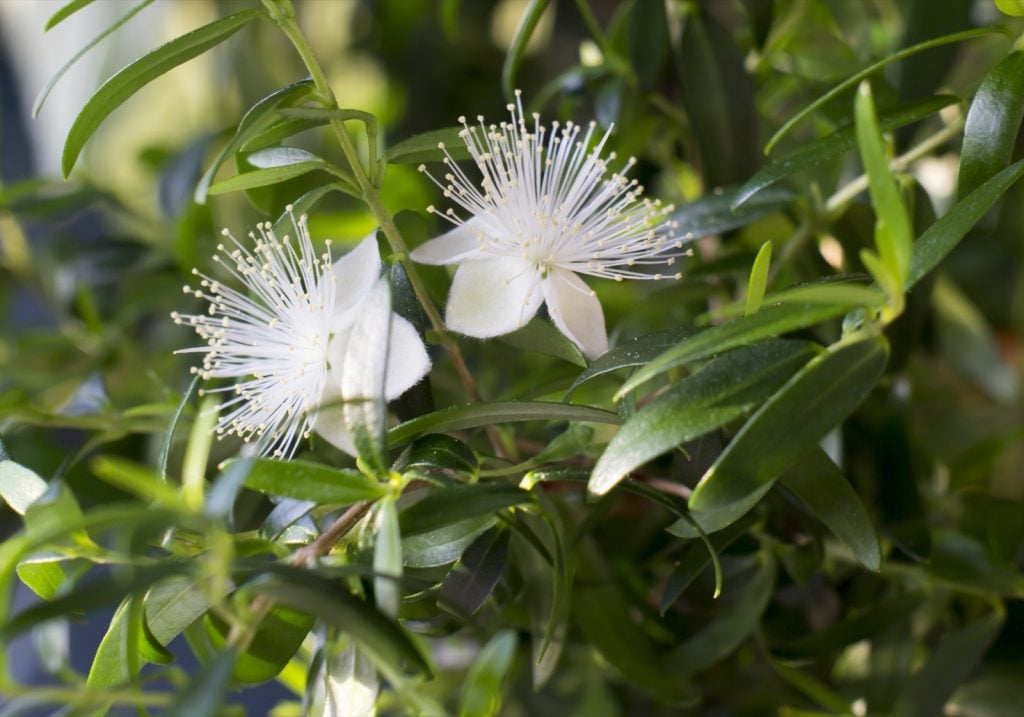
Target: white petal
x,y
462,242
576,312
355,273
329,420
407,359
491,297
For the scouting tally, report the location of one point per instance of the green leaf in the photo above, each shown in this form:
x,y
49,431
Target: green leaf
x,y
45,92
993,123
893,234
445,506
65,12
648,40
1011,7
303,205
729,627
766,323
527,24
438,452
277,639
542,337
722,391
43,577
427,147
758,281
943,236
873,619
812,687
485,683
714,213
140,73
137,479
172,605
263,177
110,664
275,133
304,480
381,638
635,352
280,157
696,557
711,520
473,578
19,486
363,369
951,662
205,691
835,145
813,402
819,483
855,79
387,558
474,415
443,545
259,117
168,437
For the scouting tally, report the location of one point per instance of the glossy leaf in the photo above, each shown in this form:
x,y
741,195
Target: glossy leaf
x,y
66,11
635,352
813,402
141,72
425,147
835,145
438,452
722,391
768,322
483,689
263,177
724,210
758,281
445,506
458,418
443,545
277,639
303,480
993,123
542,337
20,487
819,483
473,578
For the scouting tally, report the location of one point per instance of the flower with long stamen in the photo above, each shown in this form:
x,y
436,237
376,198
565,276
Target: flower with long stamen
x,y
282,339
546,209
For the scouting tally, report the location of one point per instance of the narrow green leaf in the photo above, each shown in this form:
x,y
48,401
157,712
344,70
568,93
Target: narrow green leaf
x,y
141,72
855,79
65,12
303,205
835,145
279,636
766,323
711,520
527,24
813,402
542,337
260,116
263,177
172,605
380,637
696,557
136,479
438,452
275,133
426,147
204,694
758,281
363,369
310,481
20,487
893,234
722,211
458,418
648,40
475,575
280,157
484,687
633,353
45,92
387,558
943,236
443,545
168,437
445,506
819,483
730,626
993,123
722,391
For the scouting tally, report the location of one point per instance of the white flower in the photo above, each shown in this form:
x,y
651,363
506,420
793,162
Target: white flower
x,y
283,341
545,211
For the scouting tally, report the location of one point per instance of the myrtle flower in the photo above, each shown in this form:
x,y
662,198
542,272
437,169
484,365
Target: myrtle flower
x,y
546,210
283,337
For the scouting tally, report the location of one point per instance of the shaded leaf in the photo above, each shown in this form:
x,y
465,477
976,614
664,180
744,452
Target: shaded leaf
x,y
527,23
483,689
425,147
473,578
303,480
205,691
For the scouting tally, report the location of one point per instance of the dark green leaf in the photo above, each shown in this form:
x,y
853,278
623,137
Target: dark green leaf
x,y
260,116
725,389
65,12
527,24
485,684
263,177
475,575
717,518
860,625
311,481
443,545
426,147
942,236
635,352
993,123
445,506
835,145
730,626
854,80
766,323
714,213
543,338
141,72
811,404
204,693
440,452
648,40
822,486
475,415
696,557
279,131
381,638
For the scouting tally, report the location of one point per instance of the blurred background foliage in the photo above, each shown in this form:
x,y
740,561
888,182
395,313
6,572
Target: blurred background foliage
x,y
91,267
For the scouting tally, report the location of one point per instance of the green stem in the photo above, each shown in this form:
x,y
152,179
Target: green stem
x,y
283,14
